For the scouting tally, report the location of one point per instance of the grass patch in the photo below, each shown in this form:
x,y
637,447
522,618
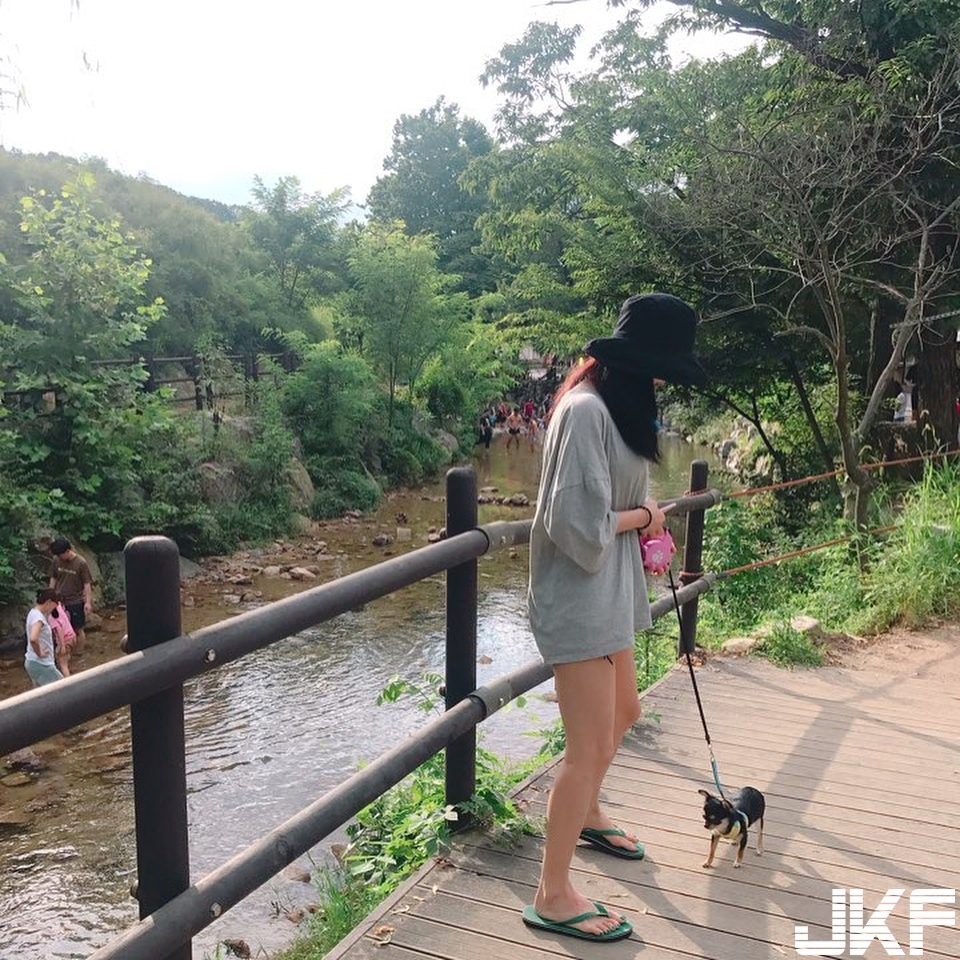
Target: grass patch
x,y
904,577
787,647
344,901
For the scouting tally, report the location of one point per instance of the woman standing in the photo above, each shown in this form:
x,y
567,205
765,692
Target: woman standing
x,y
587,595
40,662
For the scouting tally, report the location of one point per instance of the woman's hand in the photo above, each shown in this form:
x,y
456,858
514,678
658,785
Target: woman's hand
x,y
657,519
647,519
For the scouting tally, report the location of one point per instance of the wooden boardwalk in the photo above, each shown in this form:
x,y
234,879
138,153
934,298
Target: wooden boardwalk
x,y
861,774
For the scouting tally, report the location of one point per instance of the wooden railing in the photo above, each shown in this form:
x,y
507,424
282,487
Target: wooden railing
x,y
159,658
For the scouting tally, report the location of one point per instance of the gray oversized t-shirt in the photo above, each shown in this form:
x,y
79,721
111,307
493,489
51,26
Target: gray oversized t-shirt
x,y
587,595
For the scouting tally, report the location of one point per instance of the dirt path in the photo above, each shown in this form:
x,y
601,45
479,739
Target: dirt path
x,y
932,653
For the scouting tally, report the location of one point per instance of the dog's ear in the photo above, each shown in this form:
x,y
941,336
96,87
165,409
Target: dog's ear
x,y
705,793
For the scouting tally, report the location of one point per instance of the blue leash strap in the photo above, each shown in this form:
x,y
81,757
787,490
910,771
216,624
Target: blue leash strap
x,y
696,692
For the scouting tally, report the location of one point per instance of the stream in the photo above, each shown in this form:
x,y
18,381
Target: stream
x,y
270,733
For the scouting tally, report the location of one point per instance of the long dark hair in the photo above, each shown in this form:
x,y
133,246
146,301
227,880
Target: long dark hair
x,y
629,398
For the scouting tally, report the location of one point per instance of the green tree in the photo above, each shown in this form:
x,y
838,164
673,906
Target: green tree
x,y
297,233
909,51
760,186
77,312
471,369
423,187
80,294
401,300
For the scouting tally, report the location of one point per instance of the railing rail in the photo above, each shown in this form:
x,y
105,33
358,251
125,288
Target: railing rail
x,y
150,679
46,711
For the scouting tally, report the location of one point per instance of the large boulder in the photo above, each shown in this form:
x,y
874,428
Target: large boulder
x,y
219,484
13,637
113,583
301,487
448,441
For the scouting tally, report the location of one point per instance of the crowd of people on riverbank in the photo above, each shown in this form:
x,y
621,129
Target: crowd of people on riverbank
x,y
55,623
525,419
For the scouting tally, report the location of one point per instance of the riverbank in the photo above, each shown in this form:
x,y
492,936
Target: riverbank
x,y
222,586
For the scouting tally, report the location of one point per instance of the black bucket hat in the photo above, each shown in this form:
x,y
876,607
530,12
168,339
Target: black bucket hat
x,y
653,337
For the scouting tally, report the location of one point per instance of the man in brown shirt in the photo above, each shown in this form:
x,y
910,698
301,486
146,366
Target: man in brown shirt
x,y
70,577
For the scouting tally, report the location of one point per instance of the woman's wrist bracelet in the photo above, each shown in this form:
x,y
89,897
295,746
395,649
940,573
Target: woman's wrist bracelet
x,y
649,517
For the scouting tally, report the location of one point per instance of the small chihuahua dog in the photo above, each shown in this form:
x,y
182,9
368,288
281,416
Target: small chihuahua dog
x,y
729,820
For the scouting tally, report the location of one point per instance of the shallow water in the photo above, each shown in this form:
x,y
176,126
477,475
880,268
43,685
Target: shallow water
x,y
268,735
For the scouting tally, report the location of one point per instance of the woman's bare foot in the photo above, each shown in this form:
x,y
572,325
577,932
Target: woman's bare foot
x,y
572,904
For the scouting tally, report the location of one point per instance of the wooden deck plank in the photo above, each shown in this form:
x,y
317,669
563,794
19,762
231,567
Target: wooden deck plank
x,y
863,803
656,905
861,776
694,771
909,819
780,894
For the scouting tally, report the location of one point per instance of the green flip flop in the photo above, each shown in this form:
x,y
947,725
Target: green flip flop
x,y
533,919
599,839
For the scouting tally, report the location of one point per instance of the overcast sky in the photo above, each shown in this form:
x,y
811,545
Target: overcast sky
x,y
203,95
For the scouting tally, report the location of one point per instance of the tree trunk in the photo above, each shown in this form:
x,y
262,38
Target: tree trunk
x,y
882,317
937,388
778,457
392,389
797,379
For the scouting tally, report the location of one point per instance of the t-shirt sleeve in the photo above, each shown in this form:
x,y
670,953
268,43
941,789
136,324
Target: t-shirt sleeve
x,y
85,573
578,516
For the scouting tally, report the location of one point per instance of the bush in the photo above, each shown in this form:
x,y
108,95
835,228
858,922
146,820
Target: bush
x,y
406,454
340,488
330,401
342,418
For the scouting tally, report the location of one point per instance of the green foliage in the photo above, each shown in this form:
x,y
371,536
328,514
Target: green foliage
x,y
474,367
655,651
738,534
329,402
866,585
297,233
914,578
339,488
407,454
341,415
399,298
82,448
423,692
344,901
412,822
422,188
788,647
263,508
400,831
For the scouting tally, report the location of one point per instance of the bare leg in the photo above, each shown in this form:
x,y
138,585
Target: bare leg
x,y
63,659
626,714
586,693
81,640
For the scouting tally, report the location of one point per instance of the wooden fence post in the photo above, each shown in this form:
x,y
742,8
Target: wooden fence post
x,y
152,567
461,652
692,558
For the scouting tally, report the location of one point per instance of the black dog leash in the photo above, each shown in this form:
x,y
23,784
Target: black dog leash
x,y
696,689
